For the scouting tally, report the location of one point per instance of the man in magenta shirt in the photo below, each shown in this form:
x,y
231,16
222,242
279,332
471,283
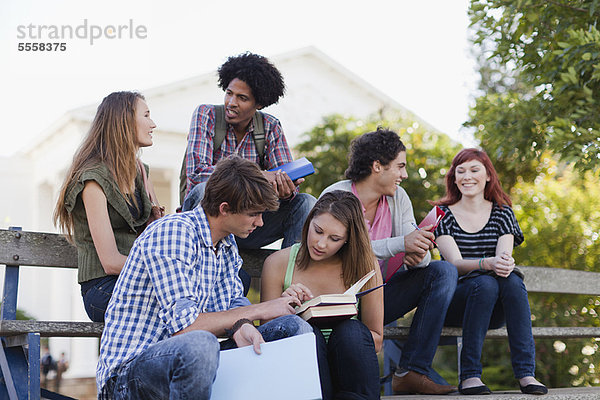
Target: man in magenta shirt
x,y
377,167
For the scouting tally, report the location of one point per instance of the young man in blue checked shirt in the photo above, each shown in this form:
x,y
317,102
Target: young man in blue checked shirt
x,y
179,290
250,82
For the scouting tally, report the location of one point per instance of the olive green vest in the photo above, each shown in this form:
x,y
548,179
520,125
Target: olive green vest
x,y
125,228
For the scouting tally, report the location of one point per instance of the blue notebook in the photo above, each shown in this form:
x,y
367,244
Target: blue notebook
x,y
297,169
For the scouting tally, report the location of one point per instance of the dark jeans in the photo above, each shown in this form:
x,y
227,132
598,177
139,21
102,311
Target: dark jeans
x,y
487,301
430,290
348,366
96,295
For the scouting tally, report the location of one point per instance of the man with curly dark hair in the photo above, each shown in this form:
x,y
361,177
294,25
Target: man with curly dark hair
x,y
376,168
251,82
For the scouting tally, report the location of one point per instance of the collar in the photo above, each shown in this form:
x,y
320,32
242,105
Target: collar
x,y
204,231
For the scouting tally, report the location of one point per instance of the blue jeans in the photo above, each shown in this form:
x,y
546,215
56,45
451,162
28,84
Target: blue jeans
x,y
430,290
284,223
348,366
185,366
485,302
96,294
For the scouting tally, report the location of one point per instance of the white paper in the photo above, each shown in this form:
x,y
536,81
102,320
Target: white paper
x,y
286,369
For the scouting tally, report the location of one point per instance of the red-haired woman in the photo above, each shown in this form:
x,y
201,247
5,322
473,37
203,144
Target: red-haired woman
x,y
477,235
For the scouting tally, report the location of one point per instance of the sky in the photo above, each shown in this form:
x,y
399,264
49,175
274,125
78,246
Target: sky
x,y
417,52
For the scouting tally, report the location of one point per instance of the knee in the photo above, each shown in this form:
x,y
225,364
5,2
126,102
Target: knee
x,y
291,325
484,289
513,286
194,197
444,271
198,348
443,277
304,202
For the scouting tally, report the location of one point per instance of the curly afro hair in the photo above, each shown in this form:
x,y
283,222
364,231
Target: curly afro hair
x,y
256,71
383,145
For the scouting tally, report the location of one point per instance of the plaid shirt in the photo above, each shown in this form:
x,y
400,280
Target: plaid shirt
x,y
171,276
200,162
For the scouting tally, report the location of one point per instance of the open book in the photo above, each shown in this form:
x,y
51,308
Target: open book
x,y
348,297
296,169
327,316
390,266
328,309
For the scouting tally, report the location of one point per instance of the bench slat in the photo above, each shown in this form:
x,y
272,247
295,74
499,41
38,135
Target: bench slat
x,y
51,328
94,329
557,280
36,249
501,333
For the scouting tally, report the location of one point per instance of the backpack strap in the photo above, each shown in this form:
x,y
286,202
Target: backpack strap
x,y
259,137
220,128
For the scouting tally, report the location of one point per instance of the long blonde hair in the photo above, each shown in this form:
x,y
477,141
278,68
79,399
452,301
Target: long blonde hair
x,y
356,254
112,141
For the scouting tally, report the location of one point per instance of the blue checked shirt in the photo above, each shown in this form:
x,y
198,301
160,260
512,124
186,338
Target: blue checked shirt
x,y
200,163
171,276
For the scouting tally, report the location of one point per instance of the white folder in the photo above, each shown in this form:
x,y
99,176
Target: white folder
x,y
286,369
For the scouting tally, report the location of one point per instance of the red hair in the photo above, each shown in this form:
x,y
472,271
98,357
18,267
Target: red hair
x,y
493,189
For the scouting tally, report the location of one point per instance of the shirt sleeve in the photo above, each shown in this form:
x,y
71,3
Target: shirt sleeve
x,y
277,151
199,153
508,224
170,257
239,302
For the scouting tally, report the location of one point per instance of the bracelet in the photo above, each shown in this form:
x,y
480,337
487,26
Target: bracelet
x,y
481,264
238,324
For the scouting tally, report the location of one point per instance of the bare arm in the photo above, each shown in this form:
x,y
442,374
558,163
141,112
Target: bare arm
x,y
272,280
96,210
273,275
502,264
372,310
217,322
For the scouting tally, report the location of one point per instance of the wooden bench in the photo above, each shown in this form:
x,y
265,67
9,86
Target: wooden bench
x,y
20,353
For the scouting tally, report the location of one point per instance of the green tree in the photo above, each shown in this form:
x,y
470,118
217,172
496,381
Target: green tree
x,y
560,218
540,68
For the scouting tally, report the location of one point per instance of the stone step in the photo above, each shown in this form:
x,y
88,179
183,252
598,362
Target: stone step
x,y
574,393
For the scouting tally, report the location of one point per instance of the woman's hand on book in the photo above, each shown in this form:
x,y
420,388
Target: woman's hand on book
x,y
299,291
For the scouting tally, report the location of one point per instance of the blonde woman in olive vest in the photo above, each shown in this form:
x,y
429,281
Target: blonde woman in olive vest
x,y
103,204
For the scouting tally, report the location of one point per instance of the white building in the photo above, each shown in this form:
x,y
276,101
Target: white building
x,y
316,86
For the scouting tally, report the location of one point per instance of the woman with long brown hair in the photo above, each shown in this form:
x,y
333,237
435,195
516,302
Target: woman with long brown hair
x,y
477,235
334,253
104,204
